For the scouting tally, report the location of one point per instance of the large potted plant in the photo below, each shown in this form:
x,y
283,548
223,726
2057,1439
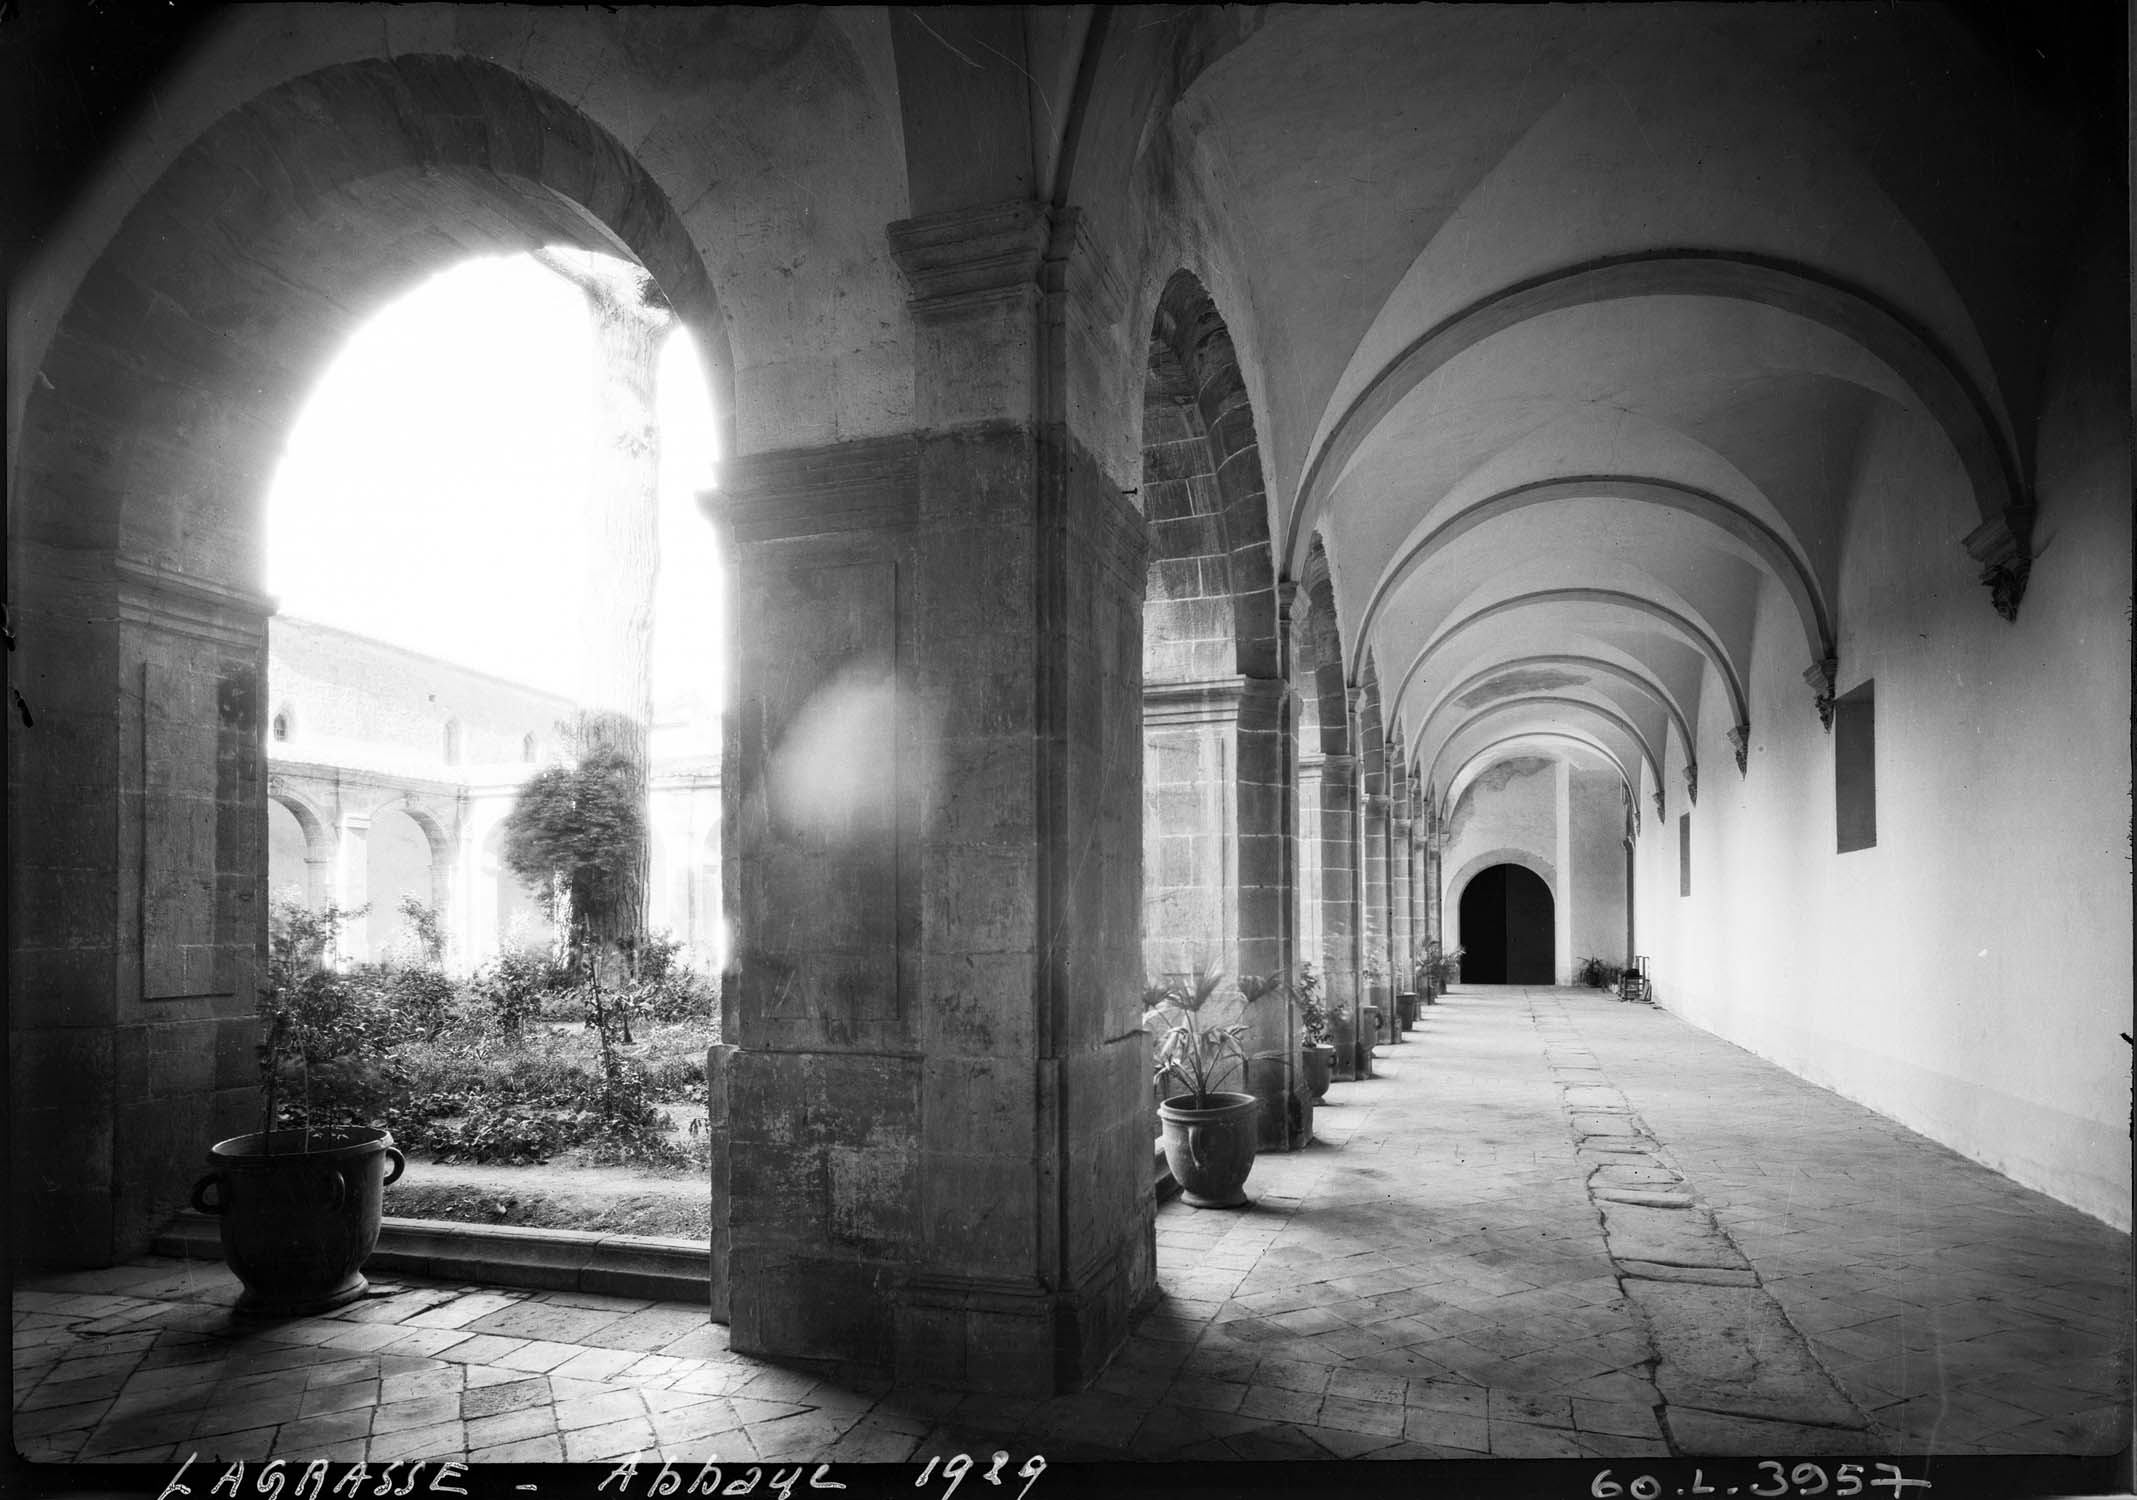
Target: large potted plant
x,y
1374,973
1209,1134
1428,972
298,1201
1317,1049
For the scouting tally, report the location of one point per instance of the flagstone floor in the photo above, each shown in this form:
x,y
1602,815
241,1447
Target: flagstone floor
x,y
1553,1226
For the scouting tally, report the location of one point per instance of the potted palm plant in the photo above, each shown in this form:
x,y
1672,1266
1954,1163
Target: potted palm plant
x,y
1209,1134
1375,974
1427,976
298,1202
1318,1048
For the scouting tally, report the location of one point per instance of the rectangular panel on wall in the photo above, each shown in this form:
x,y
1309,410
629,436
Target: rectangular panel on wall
x,y
1855,768
1684,854
824,912
178,822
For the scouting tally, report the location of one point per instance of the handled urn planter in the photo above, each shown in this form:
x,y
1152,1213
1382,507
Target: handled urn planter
x,y
297,1223
1210,1150
1320,1061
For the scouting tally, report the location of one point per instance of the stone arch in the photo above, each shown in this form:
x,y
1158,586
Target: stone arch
x,y
1639,681
233,267
1216,884
1210,603
1482,758
1774,553
1691,631
1535,864
1608,715
1939,381
152,421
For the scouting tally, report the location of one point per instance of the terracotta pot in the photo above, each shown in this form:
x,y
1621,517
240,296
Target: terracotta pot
x,y
1210,1151
1406,1002
1368,1033
1320,1061
298,1224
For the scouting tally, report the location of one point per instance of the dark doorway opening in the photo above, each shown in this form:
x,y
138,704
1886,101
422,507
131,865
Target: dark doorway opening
x,y
1507,927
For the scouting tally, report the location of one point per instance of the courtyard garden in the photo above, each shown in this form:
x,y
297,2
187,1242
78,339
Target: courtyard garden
x,y
531,1091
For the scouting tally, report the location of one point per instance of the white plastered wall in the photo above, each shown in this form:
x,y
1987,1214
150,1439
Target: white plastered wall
x,y
1969,975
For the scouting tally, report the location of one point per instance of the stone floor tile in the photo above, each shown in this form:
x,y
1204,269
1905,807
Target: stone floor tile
x,y
421,1411
301,1439
1355,1415
249,1445
1447,1429
539,1356
802,1436
510,1395
463,1310
534,1450
1511,1439
596,1363
631,1436
871,1441
340,1396
510,1426
1611,1445
598,1411
440,1442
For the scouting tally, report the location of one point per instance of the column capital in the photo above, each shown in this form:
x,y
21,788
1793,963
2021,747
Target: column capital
x,y
1208,700
869,484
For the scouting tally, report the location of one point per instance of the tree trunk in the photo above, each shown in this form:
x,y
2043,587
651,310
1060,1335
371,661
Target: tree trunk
x,y
619,539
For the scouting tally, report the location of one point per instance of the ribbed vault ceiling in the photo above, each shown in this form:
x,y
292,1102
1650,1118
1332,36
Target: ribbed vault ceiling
x,y
1576,326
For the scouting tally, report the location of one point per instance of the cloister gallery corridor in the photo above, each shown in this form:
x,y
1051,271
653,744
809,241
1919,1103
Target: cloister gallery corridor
x,y
1553,1226
1201,527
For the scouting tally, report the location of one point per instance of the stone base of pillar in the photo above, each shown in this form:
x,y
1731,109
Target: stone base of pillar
x,y
1286,1103
1012,1338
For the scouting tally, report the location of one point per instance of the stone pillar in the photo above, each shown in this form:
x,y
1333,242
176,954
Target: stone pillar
x,y
352,885
319,874
1311,947
1402,940
1373,840
137,915
1214,865
1339,913
932,1109
1562,911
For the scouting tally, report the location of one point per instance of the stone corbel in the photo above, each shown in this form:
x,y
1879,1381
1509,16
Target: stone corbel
x,y
1661,811
970,255
1822,675
2003,545
1691,781
1740,742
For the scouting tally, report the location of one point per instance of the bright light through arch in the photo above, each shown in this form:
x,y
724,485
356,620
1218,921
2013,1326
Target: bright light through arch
x,y
426,490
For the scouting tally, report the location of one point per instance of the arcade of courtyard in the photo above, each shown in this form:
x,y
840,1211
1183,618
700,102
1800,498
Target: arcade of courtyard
x,y
1230,487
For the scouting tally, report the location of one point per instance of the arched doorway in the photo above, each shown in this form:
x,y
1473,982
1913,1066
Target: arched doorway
x,y
289,853
1508,919
401,865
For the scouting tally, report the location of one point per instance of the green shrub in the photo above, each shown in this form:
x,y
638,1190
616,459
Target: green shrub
x,y
514,985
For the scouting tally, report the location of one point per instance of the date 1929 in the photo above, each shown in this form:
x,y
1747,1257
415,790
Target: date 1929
x,y
1776,1479
958,1465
